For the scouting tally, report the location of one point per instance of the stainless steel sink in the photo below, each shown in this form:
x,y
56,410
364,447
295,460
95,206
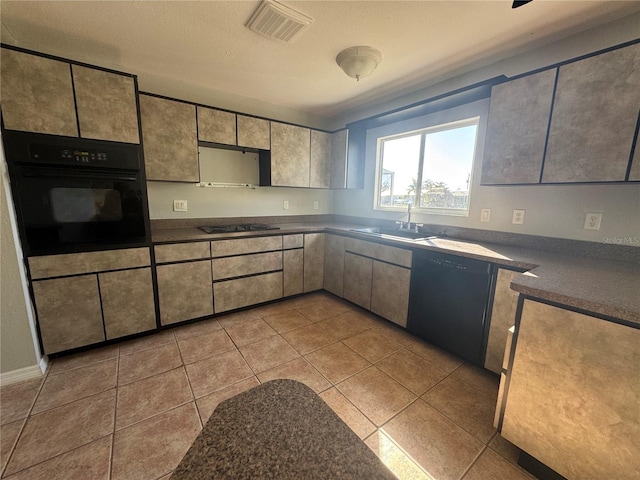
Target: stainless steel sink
x,y
392,232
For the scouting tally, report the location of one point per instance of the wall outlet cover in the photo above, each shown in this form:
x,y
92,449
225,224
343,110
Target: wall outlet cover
x,y
285,205
592,221
518,217
315,205
485,214
179,205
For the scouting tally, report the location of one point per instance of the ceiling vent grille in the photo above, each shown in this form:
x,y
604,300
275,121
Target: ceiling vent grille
x,y
277,21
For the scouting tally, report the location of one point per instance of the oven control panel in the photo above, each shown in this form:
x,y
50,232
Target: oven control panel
x,y
84,156
115,157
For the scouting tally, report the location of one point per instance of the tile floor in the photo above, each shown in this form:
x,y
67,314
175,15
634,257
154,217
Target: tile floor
x,y
130,411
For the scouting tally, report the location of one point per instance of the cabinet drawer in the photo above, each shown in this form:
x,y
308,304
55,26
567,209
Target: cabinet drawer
x,y
292,241
398,256
226,248
182,251
228,267
242,292
88,262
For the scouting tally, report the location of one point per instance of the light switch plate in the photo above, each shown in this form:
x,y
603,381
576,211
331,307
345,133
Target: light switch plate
x,y
285,205
315,205
179,205
485,214
518,217
592,221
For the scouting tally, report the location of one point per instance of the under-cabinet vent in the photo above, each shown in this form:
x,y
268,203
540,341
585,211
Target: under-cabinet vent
x,y
277,21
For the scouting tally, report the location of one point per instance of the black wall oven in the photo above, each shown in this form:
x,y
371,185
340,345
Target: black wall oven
x,y
74,194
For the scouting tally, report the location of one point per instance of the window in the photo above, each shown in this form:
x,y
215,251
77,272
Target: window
x,y
429,168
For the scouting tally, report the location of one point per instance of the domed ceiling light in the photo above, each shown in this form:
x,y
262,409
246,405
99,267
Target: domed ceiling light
x,y
358,62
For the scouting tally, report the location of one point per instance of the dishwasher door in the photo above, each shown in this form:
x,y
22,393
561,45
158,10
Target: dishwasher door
x,y
449,302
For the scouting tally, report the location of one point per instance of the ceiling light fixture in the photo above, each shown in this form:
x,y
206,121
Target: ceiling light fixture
x,y
358,62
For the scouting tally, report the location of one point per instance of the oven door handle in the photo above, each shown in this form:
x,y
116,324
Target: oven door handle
x,y
123,177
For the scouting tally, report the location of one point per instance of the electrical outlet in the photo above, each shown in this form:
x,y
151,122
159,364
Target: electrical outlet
x,y
485,214
518,217
316,205
592,221
179,205
285,205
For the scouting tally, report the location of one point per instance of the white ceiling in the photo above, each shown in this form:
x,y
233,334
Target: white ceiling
x,y
206,43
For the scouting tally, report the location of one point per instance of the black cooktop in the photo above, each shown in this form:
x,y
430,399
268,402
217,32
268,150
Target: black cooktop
x,y
243,227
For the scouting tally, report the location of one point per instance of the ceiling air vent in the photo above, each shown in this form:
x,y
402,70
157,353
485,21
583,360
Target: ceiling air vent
x,y
277,21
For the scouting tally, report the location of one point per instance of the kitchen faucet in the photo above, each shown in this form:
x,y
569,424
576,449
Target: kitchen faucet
x,y
408,225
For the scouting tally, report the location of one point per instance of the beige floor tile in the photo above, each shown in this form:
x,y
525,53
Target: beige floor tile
x,y
145,398
217,372
398,461
306,299
309,338
491,466
148,341
343,325
62,429
323,309
479,378
198,328
8,436
465,405
438,445
361,317
412,371
288,320
348,413
208,403
435,355
82,359
337,362
300,370
72,385
372,345
505,448
200,347
394,332
17,399
268,353
154,447
90,461
376,394
250,332
231,319
273,309
148,362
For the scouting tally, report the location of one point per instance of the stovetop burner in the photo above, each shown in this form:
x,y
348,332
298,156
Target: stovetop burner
x,y
243,227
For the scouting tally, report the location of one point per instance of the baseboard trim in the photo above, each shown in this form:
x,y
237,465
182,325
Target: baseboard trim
x,y
22,374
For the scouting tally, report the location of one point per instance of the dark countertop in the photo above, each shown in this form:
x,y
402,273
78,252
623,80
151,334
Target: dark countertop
x,y
281,429
605,287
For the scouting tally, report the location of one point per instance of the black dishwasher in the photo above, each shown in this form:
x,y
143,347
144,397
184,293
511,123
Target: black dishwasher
x,y
449,301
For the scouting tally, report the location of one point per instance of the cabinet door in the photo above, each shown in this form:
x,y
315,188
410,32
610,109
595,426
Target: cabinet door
x,y
320,170
334,264
290,146
106,105
313,261
634,174
37,94
594,118
390,292
216,126
184,291
242,292
358,273
503,316
127,302
253,132
339,144
293,270
170,143
517,129
69,314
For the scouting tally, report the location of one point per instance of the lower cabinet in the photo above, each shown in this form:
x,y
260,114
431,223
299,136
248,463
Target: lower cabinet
x,y
390,292
242,292
293,271
358,272
334,264
313,261
184,291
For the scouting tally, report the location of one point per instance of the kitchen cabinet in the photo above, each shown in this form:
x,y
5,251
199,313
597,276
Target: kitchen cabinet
x,y
290,155
80,296
390,292
242,292
594,118
338,169
334,264
313,261
184,291
517,129
503,316
242,265
106,103
170,142
358,274
216,126
293,264
573,393
634,173
320,170
253,132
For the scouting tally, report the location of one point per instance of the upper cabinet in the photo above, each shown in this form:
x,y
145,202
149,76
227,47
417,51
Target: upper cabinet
x,y
170,143
634,174
338,169
253,132
50,96
216,126
320,169
290,155
594,118
571,124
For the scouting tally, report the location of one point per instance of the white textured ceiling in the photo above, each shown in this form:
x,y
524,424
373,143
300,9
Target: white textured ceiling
x,y
206,43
